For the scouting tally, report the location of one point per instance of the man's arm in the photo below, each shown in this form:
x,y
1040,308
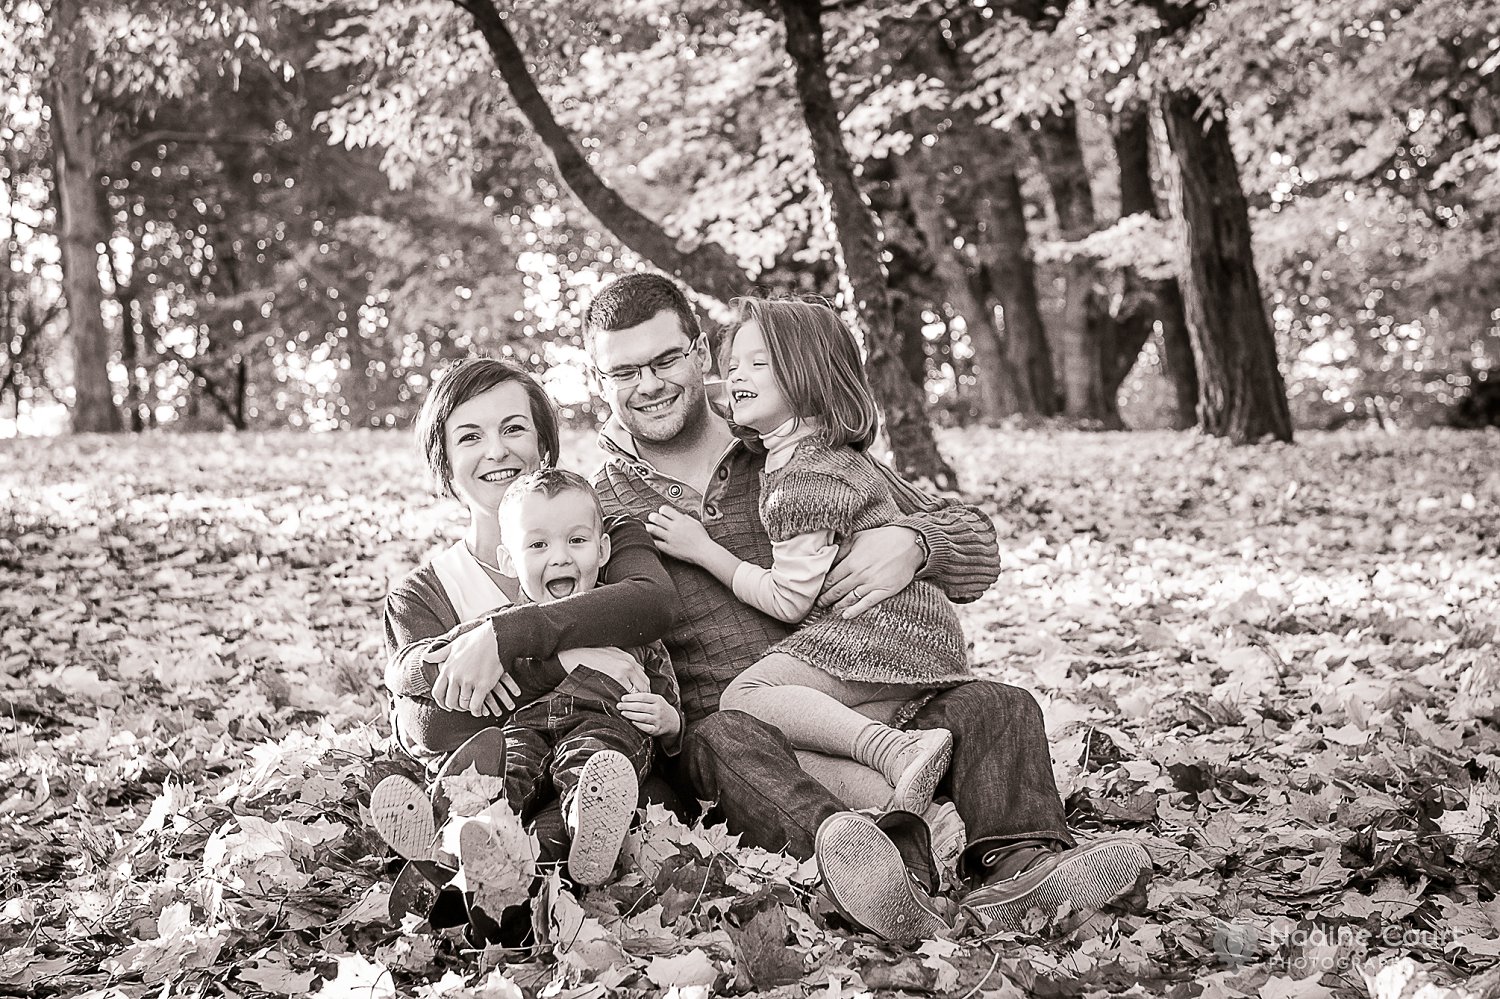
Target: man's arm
x,y
962,551
950,544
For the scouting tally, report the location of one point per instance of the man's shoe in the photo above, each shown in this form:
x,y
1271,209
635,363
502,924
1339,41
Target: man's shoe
x,y
603,806
402,815
868,883
1088,878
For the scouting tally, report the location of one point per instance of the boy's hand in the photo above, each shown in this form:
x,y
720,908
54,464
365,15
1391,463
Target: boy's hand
x,y
470,676
651,714
678,534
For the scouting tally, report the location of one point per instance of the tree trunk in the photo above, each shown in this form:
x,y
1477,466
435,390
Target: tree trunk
x,y
81,225
1164,298
706,268
1005,252
1241,395
1086,338
997,395
904,402
983,204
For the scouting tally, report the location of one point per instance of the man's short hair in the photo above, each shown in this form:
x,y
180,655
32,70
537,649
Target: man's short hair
x,y
549,482
631,300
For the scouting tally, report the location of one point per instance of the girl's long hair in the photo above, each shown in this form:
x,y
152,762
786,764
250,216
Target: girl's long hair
x,y
816,361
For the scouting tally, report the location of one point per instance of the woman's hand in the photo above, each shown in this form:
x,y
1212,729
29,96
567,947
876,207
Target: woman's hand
x,y
875,564
679,535
470,675
652,714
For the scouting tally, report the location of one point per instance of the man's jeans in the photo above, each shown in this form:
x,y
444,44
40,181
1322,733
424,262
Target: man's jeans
x,y
1000,778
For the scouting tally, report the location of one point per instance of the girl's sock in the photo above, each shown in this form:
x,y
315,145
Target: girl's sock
x,y
877,746
913,762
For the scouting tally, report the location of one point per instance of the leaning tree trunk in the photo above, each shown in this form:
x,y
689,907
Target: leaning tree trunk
x,y
82,225
1086,335
1164,305
903,400
1241,395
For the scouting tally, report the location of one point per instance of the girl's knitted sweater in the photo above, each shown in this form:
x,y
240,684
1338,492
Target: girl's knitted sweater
x,y
912,637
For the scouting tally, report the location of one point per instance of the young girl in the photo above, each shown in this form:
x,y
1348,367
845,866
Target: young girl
x,y
795,378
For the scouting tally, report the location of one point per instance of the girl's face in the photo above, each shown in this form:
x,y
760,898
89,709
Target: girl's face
x,y
755,398
491,439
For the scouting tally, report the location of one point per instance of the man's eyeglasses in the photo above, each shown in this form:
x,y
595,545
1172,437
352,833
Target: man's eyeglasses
x,y
661,366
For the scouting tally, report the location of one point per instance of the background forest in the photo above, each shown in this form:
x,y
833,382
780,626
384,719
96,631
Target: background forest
x,y
1277,667
260,215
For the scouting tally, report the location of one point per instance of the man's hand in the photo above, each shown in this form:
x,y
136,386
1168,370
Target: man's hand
x,y
652,714
470,676
679,535
874,565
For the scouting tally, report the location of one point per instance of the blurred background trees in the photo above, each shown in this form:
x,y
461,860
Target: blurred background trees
x,y
1245,216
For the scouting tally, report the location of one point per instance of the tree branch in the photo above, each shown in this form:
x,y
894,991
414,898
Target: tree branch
x,y
158,136
707,268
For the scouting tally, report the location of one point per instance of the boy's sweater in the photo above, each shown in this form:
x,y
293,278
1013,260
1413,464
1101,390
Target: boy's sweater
x,y
634,604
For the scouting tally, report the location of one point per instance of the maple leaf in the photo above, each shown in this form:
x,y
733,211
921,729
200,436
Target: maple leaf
x,y
501,869
684,970
180,946
358,978
581,942
762,954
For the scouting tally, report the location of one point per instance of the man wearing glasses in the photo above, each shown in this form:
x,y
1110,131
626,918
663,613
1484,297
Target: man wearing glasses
x,y
666,445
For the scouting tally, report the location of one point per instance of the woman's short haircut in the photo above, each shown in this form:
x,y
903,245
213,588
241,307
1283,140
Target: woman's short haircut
x,y
631,300
816,362
474,376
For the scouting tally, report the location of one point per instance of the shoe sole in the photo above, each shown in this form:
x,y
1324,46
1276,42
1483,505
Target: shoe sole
x,y
605,801
1089,881
864,876
402,815
913,790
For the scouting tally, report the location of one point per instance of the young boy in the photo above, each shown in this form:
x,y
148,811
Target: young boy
x,y
589,739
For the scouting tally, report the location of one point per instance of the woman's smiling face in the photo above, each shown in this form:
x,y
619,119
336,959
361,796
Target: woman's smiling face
x,y
491,439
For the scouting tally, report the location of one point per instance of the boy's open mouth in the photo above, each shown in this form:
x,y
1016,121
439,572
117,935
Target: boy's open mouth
x,y
740,395
563,587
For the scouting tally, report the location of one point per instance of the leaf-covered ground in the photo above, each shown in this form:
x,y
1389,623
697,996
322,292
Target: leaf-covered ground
x,y
1275,667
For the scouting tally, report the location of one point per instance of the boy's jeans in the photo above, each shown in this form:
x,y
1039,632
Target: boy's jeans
x,y
547,743
1000,778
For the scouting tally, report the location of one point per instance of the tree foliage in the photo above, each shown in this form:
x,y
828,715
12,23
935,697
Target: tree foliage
x,y
1365,136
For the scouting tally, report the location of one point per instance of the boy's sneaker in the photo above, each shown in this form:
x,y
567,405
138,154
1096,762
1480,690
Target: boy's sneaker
x,y
865,877
919,767
1088,878
599,815
402,815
